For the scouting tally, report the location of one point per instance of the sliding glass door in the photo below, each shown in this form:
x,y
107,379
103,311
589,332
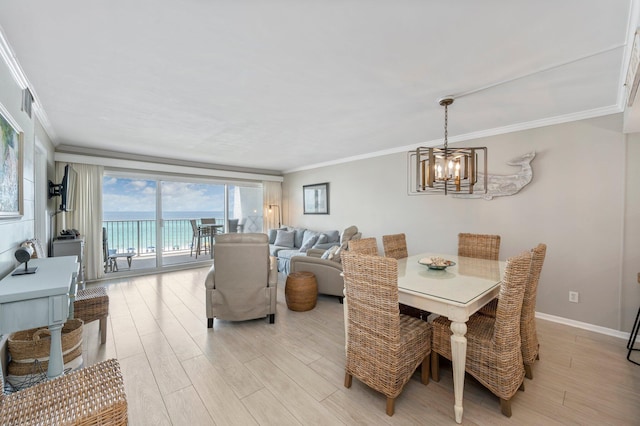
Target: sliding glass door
x,y
191,215
129,221
167,222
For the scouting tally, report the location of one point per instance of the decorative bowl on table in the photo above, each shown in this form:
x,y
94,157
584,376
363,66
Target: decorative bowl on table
x,y
436,263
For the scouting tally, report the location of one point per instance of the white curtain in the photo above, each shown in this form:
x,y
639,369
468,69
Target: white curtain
x,y
272,195
86,216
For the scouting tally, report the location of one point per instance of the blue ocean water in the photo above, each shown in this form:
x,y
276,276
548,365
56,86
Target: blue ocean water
x,y
166,215
135,232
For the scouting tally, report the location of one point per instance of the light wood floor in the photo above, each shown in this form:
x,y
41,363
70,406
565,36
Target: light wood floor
x,y
177,372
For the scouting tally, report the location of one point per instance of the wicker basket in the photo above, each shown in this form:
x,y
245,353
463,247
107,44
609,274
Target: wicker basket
x,y
34,344
301,291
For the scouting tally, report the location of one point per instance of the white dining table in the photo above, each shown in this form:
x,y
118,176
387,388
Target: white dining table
x,y
456,292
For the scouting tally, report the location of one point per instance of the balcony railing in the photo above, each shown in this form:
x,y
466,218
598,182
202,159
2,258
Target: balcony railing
x,y
139,236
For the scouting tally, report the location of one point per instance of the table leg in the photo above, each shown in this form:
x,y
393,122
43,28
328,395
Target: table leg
x,y
56,365
346,318
458,360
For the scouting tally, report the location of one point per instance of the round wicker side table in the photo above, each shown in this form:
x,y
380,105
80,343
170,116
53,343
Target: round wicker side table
x,y
301,291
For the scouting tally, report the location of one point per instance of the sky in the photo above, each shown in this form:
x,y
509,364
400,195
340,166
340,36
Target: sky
x,y
139,195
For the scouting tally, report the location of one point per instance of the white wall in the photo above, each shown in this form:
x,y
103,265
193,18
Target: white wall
x,y
575,204
15,231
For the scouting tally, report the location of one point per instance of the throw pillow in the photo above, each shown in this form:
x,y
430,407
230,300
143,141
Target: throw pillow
x,y
308,241
331,254
284,238
323,238
272,235
332,236
348,233
299,235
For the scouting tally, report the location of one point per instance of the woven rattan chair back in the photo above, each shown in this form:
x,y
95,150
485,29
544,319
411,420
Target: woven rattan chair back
x,y
395,246
90,396
479,246
383,347
494,354
368,246
530,345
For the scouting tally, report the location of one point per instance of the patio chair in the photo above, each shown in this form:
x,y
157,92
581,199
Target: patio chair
x,y
110,256
197,237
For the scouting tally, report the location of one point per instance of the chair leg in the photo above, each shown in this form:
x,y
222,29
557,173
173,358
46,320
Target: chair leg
x,y
435,366
272,318
632,338
505,407
521,387
103,330
348,379
424,374
528,372
391,403
340,299
209,322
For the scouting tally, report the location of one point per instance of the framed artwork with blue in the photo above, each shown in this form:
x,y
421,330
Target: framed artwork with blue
x,y
11,157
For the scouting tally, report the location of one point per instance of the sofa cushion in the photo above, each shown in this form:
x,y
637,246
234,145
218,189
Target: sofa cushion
x,y
284,238
288,254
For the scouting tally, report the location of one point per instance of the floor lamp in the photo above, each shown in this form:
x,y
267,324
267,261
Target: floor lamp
x,y
272,206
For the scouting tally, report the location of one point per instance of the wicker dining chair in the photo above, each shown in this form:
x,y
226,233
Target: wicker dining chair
x,y
479,246
90,396
384,348
494,353
528,331
395,246
367,246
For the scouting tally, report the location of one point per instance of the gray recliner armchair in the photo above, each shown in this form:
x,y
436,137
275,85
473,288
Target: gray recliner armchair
x,y
242,282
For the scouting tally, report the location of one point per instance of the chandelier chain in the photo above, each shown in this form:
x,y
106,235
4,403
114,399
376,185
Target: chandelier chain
x,y
446,126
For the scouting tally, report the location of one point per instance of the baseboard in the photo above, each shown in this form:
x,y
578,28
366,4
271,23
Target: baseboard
x,y
584,325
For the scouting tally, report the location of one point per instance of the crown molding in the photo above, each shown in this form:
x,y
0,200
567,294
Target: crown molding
x,y
21,80
145,166
582,115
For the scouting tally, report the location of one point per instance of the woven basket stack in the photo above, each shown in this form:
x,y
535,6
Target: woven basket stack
x,y
29,350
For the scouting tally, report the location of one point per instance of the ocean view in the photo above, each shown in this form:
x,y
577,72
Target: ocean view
x,y
151,215
135,232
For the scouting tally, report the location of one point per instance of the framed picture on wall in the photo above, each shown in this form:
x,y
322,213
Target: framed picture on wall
x,y
316,198
11,155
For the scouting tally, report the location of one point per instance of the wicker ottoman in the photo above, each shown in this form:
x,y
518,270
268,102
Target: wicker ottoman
x,y
301,291
93,304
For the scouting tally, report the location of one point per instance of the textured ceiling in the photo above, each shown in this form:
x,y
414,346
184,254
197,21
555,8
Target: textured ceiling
x,y
282,85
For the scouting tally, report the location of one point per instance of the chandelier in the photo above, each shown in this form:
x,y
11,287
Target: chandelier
x,y
444,170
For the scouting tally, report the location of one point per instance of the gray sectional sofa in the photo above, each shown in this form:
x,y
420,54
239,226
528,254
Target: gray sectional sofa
x,y
288,241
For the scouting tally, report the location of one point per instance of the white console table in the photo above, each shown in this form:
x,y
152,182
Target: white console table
x,y
41,299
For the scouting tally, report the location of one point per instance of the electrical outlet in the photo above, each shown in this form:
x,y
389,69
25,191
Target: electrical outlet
x,y
573,296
